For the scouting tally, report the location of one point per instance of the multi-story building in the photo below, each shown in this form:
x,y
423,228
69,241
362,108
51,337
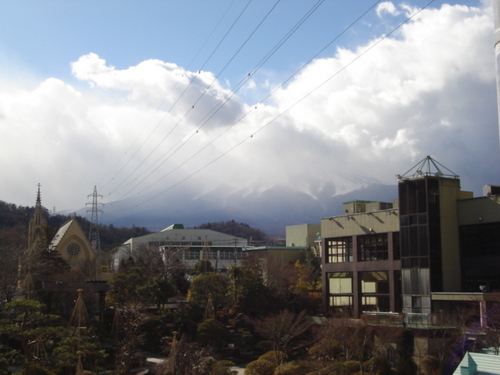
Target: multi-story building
x,y
433,245
303,235
187,245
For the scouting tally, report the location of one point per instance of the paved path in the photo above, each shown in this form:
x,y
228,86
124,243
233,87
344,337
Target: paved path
x,y
240,370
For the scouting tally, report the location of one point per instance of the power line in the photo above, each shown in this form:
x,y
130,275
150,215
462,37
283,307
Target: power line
x,y
290,107
207,88
214,110
211,84
180,96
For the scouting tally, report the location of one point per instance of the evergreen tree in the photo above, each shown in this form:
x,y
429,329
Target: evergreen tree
x,y
405,349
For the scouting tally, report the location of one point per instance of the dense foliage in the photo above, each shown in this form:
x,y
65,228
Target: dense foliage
x,y
252,314
12,216
233,228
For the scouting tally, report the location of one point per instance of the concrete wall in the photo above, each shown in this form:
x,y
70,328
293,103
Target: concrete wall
x,y
302,235
479,210
359,224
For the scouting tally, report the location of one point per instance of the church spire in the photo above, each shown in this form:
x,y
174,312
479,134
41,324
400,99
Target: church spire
x,y
38,207
38,225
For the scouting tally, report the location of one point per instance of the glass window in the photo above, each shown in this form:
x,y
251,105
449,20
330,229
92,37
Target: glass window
x,y
374,282
339,250
480,240
340,282
368,286
340,293
375,290
373,247
396,246
341,301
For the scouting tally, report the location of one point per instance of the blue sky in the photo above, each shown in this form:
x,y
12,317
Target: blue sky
x,y
43,37
98,93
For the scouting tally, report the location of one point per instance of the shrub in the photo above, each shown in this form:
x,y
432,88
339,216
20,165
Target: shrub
x,y
429,365
265,345
326,350
36,370
260,367
298,367
378,365
337,368
351,367
274,357
222,368
212,332
288,369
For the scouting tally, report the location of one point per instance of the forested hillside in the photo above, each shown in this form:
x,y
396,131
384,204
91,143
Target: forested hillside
x,y
18,217
233,228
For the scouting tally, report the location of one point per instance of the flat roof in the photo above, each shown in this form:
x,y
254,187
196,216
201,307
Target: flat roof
x,y
275,248
358,201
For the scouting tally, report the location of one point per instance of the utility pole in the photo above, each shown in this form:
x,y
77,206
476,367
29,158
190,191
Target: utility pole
x,y
206,253
94,238
496,35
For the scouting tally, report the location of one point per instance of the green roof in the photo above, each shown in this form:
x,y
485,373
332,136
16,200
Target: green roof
x,y
175,226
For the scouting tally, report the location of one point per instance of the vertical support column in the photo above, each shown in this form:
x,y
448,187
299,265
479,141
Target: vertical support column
x,y
483,311
391,276
356,283
324,279
102,299
496,36
356,294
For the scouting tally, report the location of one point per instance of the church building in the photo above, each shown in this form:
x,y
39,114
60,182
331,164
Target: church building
x,y
70,243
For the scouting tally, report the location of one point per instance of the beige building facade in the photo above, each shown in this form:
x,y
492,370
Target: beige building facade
x,y
434,239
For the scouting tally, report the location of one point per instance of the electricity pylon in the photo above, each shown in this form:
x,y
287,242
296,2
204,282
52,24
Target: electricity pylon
x,y
94,238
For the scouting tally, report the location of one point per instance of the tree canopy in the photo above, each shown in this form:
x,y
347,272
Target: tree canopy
x,y
233,228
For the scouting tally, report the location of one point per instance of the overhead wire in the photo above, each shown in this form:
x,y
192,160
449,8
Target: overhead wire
x,y
214,110
182,94
273,50
187,87
206,89
360,55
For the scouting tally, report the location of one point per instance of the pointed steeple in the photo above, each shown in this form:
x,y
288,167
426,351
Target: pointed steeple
x,y
38,225
38,207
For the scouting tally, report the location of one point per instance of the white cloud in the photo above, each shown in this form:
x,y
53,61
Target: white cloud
x,y
426,91
388,8
391,100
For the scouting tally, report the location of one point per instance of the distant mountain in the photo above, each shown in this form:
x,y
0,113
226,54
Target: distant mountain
x,y
234,228
270,210
12,216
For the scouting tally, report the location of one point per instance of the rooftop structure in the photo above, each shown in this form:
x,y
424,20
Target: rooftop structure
x,y
188,245
479,364
398,256
428,167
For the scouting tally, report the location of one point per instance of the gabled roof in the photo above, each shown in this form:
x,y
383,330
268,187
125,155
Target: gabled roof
x,y
479,364
174,226
60,234
178,234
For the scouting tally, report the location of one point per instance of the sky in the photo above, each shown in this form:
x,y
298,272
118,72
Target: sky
x,y
146,100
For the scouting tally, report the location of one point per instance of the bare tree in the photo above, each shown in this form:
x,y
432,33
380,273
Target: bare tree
x,y
185,359
149,258
492,331
129,335
12,245
281,329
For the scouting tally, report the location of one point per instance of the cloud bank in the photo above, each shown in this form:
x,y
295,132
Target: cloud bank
x,y
344,122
